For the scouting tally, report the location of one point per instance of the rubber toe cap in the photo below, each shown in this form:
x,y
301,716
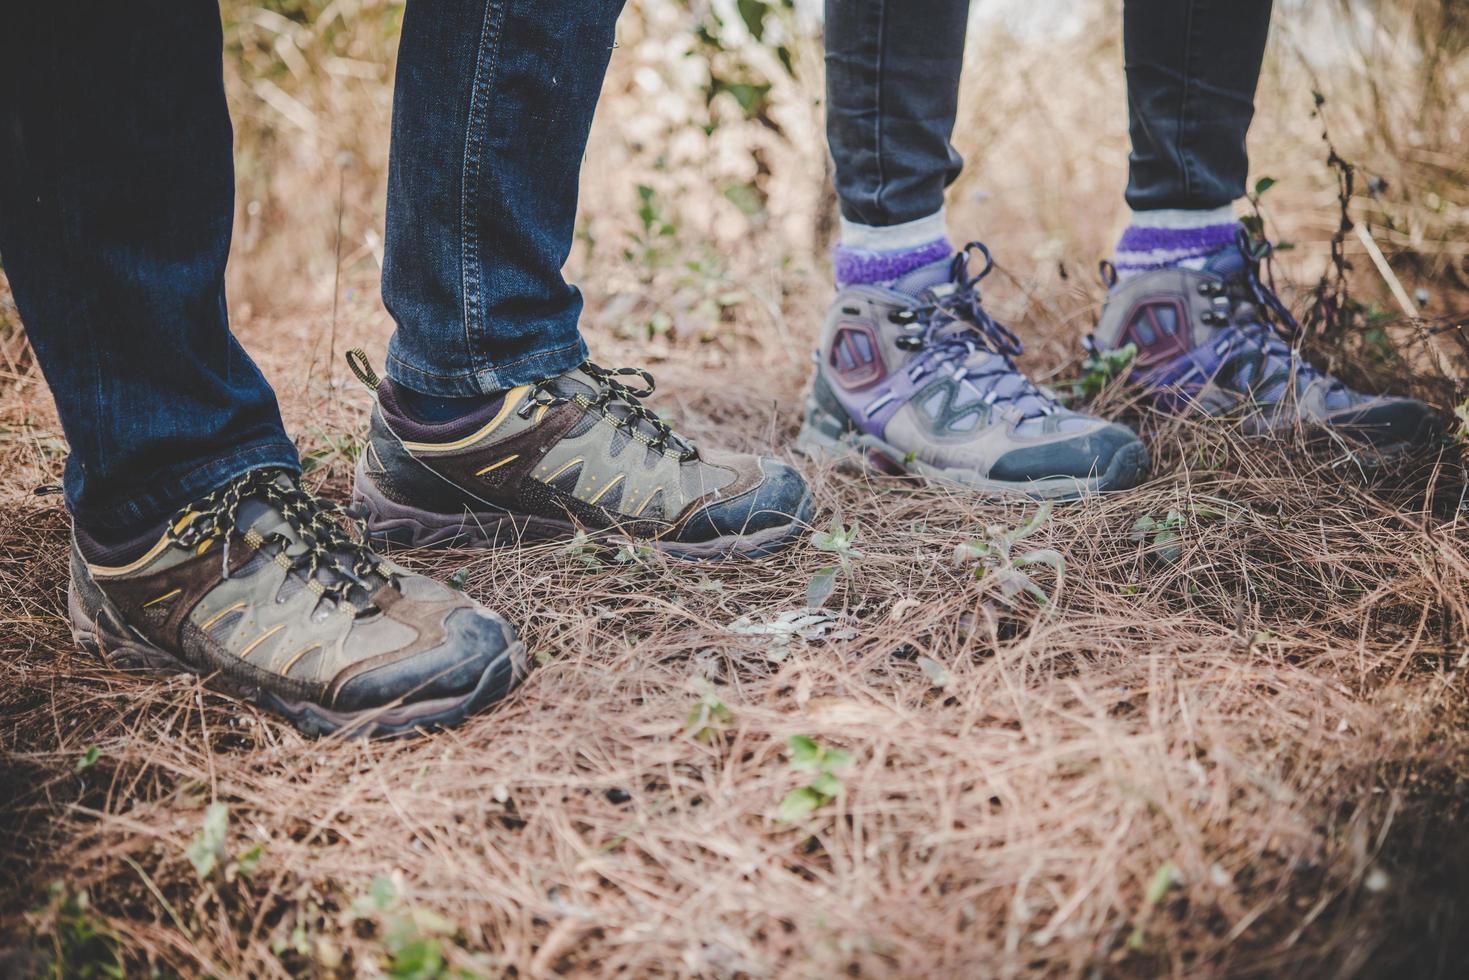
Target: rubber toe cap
x,y
1391,422
779,499
474,641
1084,455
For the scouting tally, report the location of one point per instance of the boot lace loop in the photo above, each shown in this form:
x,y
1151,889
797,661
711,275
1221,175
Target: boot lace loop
x,y
614,393
338,561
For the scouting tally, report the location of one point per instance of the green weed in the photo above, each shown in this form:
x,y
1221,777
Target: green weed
x,y
838,541
808,755
710,716
68,941
995,560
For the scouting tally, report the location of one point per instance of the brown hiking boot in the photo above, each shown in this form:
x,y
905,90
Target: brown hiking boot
x,y
578,451
259,587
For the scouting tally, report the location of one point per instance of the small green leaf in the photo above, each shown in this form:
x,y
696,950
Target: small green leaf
x,y
206,851
1163,880
89,758
1043,556
834,760
1264,184
382,892
805,753
746,197
798,804
1168,546
249,859
826,784
937,672
822,584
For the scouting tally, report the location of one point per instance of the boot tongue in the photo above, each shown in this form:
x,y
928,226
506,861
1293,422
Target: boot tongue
x,y
1227,263
578,382
931,284
574,382
932,279
258,515
934,282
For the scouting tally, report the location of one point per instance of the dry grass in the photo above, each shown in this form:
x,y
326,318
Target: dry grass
x,y
1247,756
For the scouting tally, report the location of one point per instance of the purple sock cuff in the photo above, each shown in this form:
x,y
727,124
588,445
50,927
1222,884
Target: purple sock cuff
x,y
1208,238
855,265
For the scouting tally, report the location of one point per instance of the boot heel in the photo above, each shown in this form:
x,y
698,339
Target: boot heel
x,y
822,435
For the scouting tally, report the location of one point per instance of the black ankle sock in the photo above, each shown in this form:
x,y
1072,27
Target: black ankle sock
x,y
435,409
107,546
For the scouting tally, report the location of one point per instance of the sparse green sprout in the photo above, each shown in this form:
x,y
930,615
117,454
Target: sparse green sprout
x,y
838,541
937,673
413,938
459,579
710,716
249,859
583,549
1100,368
332,444
381,895
1163,536
649,247
89,758
1163,879
206,851
808,755
994,559
632,553
69,941
1461,412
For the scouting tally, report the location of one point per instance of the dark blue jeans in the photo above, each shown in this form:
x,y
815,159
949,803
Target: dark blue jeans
x,y
892,82
116,202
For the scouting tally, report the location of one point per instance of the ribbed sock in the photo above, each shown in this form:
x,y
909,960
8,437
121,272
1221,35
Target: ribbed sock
x,y
1164,239
880,255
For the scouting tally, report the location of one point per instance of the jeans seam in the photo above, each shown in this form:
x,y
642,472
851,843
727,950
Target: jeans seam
x,y
877,132
1190,45
471,264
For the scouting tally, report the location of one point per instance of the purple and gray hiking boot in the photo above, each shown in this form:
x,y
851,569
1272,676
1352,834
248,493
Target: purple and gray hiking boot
x,y
1218,340
919,379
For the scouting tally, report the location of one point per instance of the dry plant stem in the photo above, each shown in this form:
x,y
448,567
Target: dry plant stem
x,y
1441,360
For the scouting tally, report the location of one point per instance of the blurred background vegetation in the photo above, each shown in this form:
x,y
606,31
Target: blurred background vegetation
x,y
706,200
707,212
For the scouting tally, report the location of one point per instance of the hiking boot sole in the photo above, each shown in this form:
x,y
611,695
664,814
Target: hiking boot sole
x,y
103,635
394,525
860,452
